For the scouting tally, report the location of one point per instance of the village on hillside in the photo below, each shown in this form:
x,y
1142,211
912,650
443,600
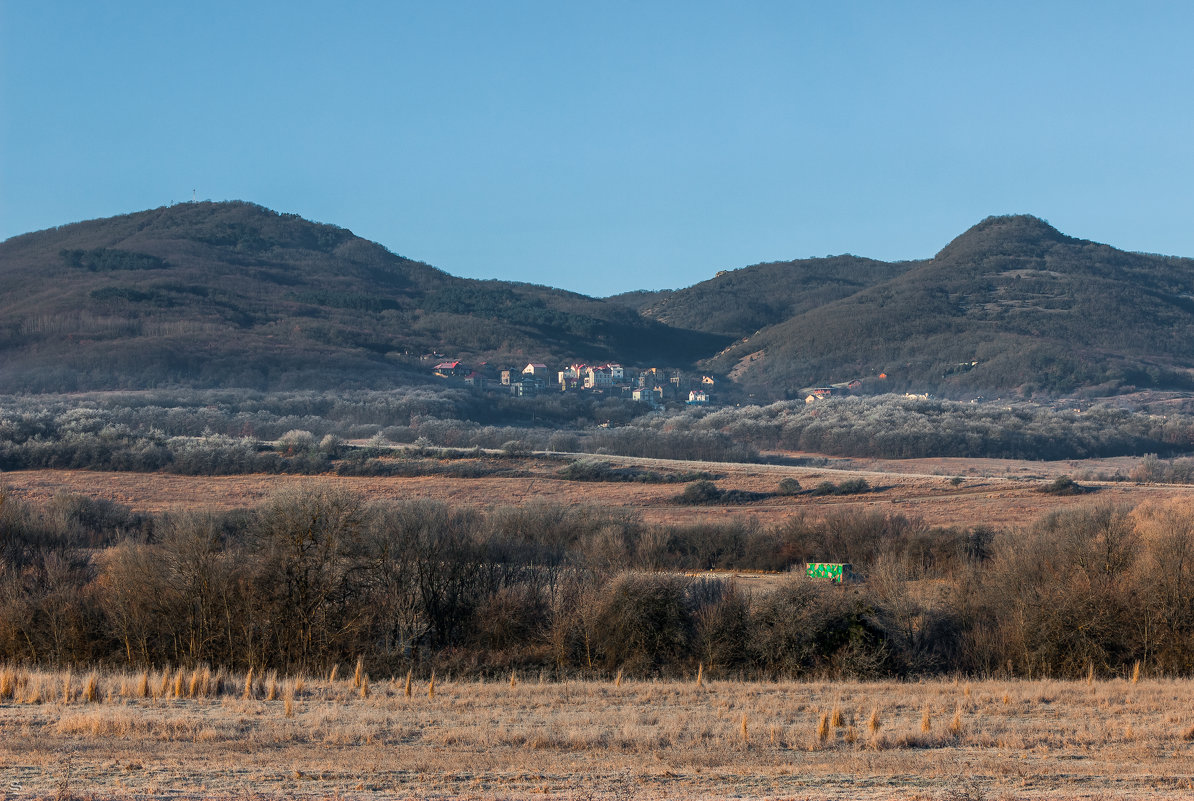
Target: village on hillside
x,y
655,386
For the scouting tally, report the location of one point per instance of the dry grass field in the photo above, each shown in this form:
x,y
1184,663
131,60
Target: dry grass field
x,y
195,734
192,734
1000,493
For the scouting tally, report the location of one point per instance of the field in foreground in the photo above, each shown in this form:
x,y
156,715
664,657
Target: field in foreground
x,y
196,735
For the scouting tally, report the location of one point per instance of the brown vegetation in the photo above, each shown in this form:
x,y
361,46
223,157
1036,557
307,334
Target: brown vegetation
x,y
316,577
1000,493
516,641
585,740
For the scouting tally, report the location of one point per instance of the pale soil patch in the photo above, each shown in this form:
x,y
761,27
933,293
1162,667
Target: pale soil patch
x,y
1029,469
594,740
993,492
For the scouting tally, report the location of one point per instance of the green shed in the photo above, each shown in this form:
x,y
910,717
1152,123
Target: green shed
x,y
837,572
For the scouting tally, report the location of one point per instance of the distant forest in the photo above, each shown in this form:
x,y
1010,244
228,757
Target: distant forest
x,y
209,432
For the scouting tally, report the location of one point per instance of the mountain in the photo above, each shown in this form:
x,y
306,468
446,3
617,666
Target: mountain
x,y
1010,305
740,302
233,294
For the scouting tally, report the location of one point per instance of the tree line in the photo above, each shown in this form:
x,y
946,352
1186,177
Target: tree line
x,y
194,432
318,576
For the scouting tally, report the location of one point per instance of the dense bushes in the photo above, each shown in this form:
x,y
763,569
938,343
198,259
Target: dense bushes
x,y
208,432
598,470
851,486
212,432
706,492
1064,485
317,576
898,427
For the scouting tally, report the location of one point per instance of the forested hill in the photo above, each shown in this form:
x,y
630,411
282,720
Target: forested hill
x,y
233,294
740,302
1010,305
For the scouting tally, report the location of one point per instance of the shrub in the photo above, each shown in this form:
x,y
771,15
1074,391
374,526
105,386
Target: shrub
x,y
331,446
509,618
1064,485
642,623
516,447
296,441
699,492
788,486
851,486
591,470
723,628
798,628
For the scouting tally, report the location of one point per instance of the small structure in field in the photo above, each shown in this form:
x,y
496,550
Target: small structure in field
x,y
837,572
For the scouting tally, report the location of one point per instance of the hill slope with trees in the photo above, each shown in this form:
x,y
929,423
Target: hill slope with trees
x,y
740,302
233,294
1010,305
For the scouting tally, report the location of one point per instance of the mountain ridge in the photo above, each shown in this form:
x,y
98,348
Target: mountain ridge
x,y
217,293
1010,304
234,294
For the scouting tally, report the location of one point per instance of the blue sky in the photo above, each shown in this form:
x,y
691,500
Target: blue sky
x,y
603,147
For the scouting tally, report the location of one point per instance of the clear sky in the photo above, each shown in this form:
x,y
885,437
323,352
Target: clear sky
x,y
609,146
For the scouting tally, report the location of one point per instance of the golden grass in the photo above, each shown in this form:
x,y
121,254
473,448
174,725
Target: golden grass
x,y
1001,493
91,691
955,725
823,728
8,683
874,723
518,740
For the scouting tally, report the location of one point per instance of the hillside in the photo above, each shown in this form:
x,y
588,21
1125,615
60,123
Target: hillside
x,y
1010,305
232,294
740,302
